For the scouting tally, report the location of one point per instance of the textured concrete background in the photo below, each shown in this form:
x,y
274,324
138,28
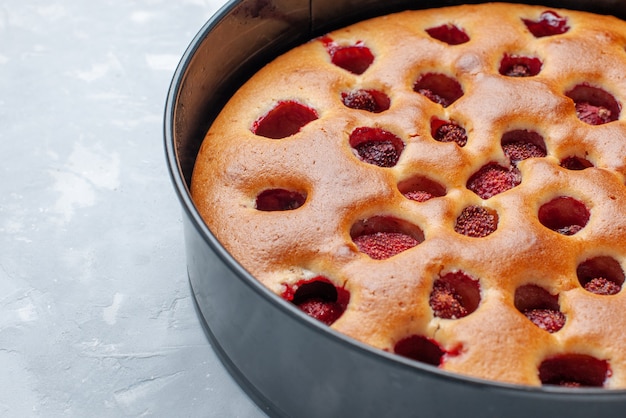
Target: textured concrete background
x,y
96,315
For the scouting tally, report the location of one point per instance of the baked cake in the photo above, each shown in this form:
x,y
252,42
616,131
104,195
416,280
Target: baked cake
x,y
445,184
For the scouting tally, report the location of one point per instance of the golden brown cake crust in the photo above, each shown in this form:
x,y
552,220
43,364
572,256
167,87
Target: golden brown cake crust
x,y
389,299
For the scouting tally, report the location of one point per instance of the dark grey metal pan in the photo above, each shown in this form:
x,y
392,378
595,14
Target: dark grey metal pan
x,y
290,364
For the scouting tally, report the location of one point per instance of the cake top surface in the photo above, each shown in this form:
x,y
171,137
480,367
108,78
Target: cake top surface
x,y
445,184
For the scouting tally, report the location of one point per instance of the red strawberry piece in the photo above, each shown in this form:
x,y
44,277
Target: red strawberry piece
x,y
370,100
602,275
593,115
449,34
540,307
521,144
454,295
594,105
320,309
569,229
279,200
445,303
376,146
434,97
518,151
450,132
549,23
285,119
420,188
420,348
519,66
380,153
354,58
493,179
574,370
439,88
575,163
602,286
418,195
518,70
382,245
547,319
564,215
318,298
476,221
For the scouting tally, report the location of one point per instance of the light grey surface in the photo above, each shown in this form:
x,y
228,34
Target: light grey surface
x,y
96,315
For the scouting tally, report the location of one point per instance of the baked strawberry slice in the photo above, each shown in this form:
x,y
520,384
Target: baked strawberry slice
x,y
448,131
576,163
549,23
421,188
286,118
564,215
454,295
476,221
318,298
594,105
521,144
279,200
354,58
381,237
374,101
448,33
540,307
493,179
519,66
574,370
547,319
376,146
382,245
602,286
438,88
420,348
602,275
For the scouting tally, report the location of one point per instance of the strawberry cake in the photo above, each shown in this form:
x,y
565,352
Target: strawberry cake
x,y
447,185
